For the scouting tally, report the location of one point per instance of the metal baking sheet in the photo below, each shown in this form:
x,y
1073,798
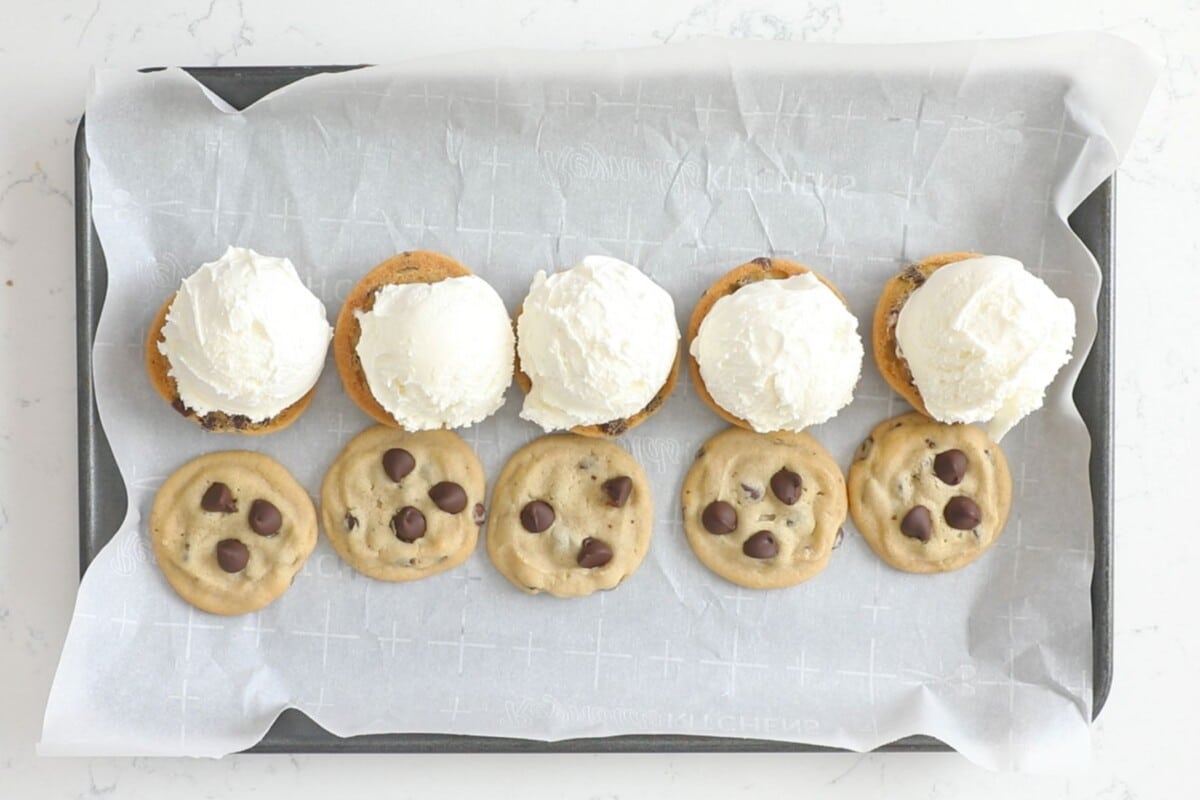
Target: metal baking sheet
x,y
102,500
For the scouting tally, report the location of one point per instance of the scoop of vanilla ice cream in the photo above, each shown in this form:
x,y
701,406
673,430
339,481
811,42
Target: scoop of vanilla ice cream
x,y
437,355
597,341
780,354
983,339
245,336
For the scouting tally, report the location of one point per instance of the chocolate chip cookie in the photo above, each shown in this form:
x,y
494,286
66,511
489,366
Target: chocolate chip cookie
x,y
570,515
764,510
231,529
929,497
158,368
759,269
398,506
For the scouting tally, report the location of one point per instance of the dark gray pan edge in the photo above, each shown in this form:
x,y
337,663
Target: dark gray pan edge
x,y
1095,224
102,499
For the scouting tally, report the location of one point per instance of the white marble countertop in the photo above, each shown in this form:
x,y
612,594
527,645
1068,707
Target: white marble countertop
x,y
46,52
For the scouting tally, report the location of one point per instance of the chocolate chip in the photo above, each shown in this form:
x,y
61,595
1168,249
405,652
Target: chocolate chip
x,y
719,518
479,514
265,518
594,553
351,521
615,428
763,262
917,523
950,466
865,448
786,486
218,498
537,516
962,513
761,545
240,421
618,490
753,492
913,275
408,524
232,555
448,496
397,463
178,405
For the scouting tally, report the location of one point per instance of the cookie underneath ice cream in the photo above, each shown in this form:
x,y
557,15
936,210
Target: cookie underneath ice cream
x,y
422,343
240,346
597,348
970,338
773,347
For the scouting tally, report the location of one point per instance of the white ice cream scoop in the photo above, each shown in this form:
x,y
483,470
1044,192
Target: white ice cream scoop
x,y
437,355
245,336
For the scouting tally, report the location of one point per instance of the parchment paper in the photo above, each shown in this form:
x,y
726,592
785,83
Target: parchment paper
x,y
685,160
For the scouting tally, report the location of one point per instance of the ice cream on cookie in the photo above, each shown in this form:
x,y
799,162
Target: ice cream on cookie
x,y
597,348
240,346
774,347
970,338
422,343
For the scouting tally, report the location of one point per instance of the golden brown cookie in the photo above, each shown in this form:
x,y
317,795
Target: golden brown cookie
x,y
760,269
929,497
231,529
616,427
883,330
399,505
416,266
570,515
158,368
764,510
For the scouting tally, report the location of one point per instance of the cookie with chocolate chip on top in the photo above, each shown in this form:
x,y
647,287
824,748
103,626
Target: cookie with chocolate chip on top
x,y
570,515
929,497
230,530
398,506
764,510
